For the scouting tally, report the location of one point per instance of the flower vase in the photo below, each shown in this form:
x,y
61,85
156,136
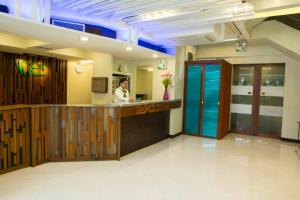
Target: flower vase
x,y
166,94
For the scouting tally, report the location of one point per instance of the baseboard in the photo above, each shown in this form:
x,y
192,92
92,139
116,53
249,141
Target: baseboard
x,y
176,135
290,140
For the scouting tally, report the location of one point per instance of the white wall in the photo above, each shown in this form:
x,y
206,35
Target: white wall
x,y
158,88
103,67
79,85
279,33
144,79
266,54
176,119
128,68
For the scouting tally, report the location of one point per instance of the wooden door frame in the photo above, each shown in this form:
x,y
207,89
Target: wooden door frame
x,y
203,63
257,77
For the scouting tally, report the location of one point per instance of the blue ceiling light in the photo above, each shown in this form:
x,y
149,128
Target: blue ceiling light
x,y
100,30
148,45
93,29
67,24
4,8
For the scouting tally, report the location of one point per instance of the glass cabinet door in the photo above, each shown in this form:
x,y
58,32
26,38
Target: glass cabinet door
x,y
242,99
192,99
211,100
271,100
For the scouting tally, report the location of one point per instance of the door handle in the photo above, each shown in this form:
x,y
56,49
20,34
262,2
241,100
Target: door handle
x,y
263,93
202,102
218,103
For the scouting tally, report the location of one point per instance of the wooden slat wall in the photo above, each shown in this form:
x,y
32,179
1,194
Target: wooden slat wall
x,y
14,139
15,89
61,133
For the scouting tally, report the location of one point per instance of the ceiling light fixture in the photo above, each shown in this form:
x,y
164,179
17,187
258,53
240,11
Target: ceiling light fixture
x,y
230,39
155,55
85,62
84,38
158,14
244,8
129,48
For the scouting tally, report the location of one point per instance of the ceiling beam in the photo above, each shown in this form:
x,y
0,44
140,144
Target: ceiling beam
x,y
62,4
123,7
75,3
103,7
192,14
163,5
188,31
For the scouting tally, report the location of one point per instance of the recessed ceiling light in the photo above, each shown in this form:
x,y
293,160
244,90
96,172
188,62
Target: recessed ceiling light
x,y
230,39
155,55
129,48
84,62
159,14
84,38
244,8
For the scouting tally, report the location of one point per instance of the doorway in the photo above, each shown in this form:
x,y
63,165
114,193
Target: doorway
x,y
144,82
257,99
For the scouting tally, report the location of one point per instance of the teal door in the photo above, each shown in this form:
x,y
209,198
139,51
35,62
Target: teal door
x,y
192,99
211,100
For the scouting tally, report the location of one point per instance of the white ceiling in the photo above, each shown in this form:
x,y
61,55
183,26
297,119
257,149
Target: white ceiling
x,y
163,20
52,38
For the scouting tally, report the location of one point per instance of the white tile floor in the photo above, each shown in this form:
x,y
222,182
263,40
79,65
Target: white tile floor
x,y
236,168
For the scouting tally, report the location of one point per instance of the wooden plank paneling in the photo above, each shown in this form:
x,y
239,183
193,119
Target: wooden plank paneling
x,y
14,139
47,133
17,89
75,133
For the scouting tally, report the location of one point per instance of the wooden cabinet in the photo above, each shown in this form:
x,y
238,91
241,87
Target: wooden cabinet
x,y
257,99
207,98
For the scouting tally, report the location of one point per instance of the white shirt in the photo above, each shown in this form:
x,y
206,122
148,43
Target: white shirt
x,y
121,95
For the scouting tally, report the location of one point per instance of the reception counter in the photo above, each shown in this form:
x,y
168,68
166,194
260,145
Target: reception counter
x,y
34,134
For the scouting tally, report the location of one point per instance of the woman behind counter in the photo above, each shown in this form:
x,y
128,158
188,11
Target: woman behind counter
x,y
121,93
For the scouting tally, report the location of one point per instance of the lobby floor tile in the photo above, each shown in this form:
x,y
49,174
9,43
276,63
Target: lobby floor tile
x,y
237,167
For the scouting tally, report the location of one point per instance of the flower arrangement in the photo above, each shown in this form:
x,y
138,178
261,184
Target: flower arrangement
x,y
167,79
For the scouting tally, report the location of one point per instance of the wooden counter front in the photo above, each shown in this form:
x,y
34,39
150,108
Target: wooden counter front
x,y
34,134
145,124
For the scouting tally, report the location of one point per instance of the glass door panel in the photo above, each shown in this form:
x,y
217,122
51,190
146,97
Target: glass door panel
x,y
211,100
242,99
193,98
271,100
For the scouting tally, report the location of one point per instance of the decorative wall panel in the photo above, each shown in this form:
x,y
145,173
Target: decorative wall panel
x,y
74,133
47,87
14,139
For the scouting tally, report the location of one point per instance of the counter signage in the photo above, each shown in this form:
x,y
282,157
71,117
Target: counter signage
x,y
25,68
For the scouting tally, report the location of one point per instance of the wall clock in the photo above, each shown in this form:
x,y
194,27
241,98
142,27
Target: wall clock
x,y
79,69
